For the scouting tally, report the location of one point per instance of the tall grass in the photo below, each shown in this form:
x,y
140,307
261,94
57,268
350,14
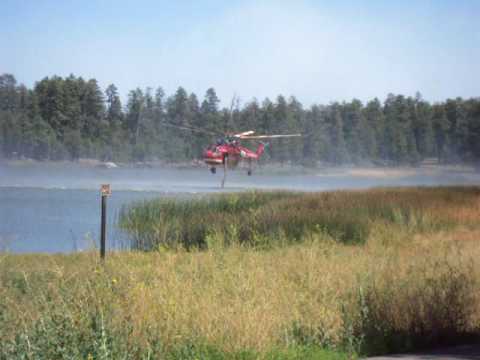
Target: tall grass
x,y
272,218
413,282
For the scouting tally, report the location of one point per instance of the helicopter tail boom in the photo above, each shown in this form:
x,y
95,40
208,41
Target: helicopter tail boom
x,y
260,149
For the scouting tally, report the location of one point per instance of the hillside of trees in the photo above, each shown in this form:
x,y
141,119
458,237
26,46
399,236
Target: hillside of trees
x,y
72,118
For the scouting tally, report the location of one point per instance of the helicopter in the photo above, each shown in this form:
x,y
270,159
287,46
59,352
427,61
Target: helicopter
x,y
227,152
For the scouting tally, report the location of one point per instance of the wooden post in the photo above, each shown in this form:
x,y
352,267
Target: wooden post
x,y
105,191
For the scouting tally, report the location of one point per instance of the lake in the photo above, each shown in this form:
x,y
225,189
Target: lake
x,y
56,207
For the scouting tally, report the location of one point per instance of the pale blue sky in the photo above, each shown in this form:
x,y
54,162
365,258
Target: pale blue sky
x,y
319,51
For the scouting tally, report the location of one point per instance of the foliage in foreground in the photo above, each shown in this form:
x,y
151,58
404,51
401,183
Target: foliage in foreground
x,y
403,289
266,219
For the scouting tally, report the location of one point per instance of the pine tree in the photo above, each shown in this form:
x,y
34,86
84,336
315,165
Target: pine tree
x,y
315,142
135,105
9,98
114,105
375,117
337,150
192,137
72,92
279,148
441,128
357,138
51,103
422,127
473,109
177,146
250,118
294,124
266,121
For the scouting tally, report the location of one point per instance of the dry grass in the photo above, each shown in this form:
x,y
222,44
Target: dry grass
x,y
400,290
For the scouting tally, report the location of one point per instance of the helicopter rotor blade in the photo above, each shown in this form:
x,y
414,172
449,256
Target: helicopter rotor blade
x,y
181,127
245,133
257,137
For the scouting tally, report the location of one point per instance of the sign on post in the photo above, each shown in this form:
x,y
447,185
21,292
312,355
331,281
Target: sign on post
x,y
106,190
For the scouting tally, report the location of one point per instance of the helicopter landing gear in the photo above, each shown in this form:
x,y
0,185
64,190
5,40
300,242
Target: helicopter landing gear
x,y
249,172
213,170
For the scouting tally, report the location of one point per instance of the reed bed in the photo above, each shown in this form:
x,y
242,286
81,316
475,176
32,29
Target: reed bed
x,y
412,281
266,219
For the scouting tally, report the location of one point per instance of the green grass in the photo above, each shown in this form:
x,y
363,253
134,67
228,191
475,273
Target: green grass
x,y
268,219
65,343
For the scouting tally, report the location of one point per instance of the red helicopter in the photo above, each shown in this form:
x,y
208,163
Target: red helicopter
x,y
227,151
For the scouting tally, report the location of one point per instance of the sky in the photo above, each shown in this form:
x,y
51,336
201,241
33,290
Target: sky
x,y
318,51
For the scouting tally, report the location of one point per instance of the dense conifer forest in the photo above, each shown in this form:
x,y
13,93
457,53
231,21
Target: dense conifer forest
x,y
71,118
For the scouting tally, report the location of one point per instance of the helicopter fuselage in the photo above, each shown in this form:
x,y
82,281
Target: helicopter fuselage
x,y
230,154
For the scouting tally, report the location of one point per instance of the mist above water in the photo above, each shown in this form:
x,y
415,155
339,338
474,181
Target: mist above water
x,y
194,180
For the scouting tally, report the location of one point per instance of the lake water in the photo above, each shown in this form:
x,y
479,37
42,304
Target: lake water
x,y
56,208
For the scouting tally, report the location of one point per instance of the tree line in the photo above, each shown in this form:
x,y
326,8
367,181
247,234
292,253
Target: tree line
x,y
71,118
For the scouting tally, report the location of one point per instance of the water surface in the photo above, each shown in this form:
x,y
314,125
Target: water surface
x,y
56,208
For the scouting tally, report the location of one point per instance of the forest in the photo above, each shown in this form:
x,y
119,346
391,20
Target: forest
x,y
71,118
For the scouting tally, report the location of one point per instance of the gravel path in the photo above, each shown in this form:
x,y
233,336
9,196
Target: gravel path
x,y
467,352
